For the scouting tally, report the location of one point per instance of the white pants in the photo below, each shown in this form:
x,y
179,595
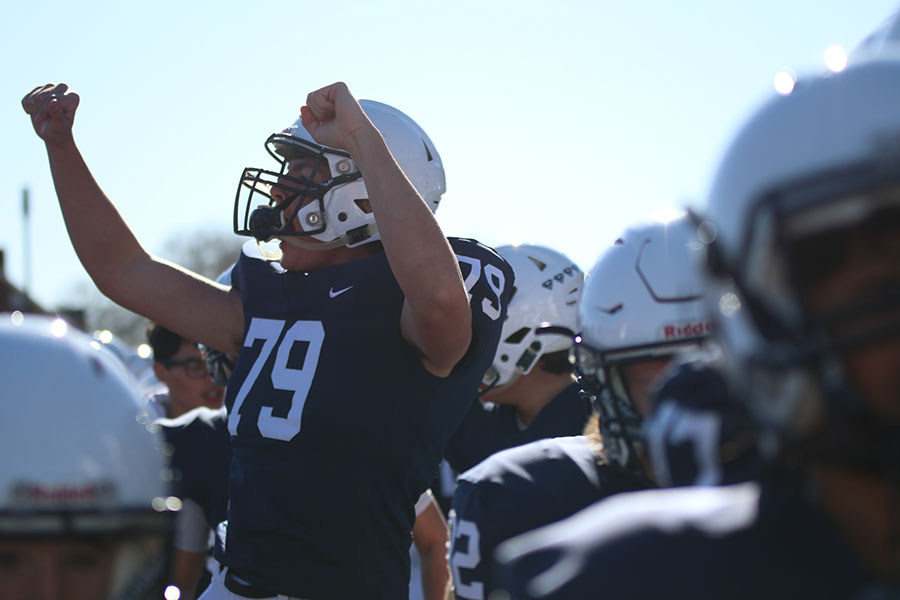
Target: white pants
x,y
218,591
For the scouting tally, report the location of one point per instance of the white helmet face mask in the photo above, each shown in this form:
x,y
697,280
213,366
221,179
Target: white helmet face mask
x,y
642,302
809,191
321,190
548,285
86,467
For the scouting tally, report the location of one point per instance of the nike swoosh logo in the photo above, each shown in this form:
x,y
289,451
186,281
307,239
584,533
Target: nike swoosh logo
x,y
335,294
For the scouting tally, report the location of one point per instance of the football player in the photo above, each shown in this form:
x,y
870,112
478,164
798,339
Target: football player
x,y
530,390
640,308
180,366
201,456
359,349
803,226
85,511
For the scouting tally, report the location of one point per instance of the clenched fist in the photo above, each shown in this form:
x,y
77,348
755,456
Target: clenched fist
x,y
333,117
52,109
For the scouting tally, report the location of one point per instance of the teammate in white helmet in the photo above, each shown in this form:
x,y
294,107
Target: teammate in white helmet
x,y
529,393
640,307
85,507
803,230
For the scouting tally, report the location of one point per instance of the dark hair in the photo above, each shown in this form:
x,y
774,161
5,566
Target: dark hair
x,y
165,343
556,363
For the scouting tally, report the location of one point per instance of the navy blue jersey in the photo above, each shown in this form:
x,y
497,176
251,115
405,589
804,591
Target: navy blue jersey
x,y
201,458
698,434
517,490
490,428
337,427
738,542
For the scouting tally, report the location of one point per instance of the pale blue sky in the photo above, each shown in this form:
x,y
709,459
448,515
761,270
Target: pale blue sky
x,y
559,123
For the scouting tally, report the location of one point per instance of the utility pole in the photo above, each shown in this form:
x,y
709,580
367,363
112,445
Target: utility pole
x,y
26,237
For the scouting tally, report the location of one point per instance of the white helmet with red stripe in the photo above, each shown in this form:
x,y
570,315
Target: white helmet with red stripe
x,y
642,302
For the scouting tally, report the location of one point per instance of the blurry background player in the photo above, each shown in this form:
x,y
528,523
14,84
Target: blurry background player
x,y
803,221
200,453
529,390
200,458
179,365
83,502
640,307
356,359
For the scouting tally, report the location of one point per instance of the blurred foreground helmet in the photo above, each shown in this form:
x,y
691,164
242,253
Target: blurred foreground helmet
x,y
803,221
883,41
81,466
642,302
140,368
331,210
548,285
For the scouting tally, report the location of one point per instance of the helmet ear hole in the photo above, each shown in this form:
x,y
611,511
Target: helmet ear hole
x,y
518,335
342,216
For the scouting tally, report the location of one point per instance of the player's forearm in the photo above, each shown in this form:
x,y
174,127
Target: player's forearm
x,y
436,581
420,256
102,240
187,569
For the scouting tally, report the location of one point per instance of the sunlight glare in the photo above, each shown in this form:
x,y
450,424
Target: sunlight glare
x,y
835,59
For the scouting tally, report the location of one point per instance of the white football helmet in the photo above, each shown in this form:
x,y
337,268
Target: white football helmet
x,y
548,285
807,176
81,462
642,301
335,216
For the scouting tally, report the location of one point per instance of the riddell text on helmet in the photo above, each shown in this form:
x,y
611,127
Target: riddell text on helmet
x,y
686,330
31,494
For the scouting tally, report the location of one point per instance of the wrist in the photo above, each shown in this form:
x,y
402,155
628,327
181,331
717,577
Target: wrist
x,y
363,140
64,143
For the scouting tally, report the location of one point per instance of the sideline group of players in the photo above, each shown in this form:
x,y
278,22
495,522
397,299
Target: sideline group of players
x,y
747,353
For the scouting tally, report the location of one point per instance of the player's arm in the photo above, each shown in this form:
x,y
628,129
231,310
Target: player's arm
x,y
470,443
436,317
182,301
430,536
187,568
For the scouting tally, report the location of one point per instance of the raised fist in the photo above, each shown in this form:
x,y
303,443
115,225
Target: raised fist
x,y
52,109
